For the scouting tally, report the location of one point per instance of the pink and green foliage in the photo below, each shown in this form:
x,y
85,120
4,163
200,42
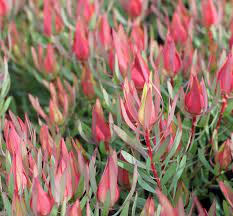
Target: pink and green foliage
x,y
114,107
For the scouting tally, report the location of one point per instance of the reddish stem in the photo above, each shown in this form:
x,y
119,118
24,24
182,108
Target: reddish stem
x,y
172,82
147,138
192,132
224,105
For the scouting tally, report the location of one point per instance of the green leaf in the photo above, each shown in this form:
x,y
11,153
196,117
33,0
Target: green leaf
x,y
80,187
81,132
8,162
125,165
132,142
54,211
125,210
132,190
162,148
144,185
92,176
27,199
119,17
106,205
202,158
92,23
6,203
134,204
174,147
83,202
96,213
169,173
11,186
63,208
226,208
65,20
178,174
117,70
106,96
132,160
6,105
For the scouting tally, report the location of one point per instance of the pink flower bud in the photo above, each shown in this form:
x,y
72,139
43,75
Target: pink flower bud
x,y
145,111
56,116
85,10
166,208
227,191
47,18
87,82
209,13
137,37
81,45
49,61
149,108
18,171
171,58
149,208
108,182
63,189
140,71
225,76
123,50
75,209
11,137
224,156
195,99
3,8
104,32
16,135
75,175
132,7
52,17
46,140
178,30
100,129
40,201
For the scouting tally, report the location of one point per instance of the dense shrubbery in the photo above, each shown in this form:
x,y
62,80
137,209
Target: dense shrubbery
x,y
116,107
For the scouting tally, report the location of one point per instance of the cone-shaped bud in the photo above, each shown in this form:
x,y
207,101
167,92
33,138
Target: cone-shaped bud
x,y
209,13
224,156
81,45
171,58
140,71
40,202
132,7
108,182
196,99
100,129
225,76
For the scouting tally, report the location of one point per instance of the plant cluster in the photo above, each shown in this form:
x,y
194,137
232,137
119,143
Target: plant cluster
x,y
114,107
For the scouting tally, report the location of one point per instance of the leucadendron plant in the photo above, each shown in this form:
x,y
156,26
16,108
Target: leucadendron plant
x,y
116,107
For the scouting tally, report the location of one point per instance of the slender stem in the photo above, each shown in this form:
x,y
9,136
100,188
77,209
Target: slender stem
x,y
172,82
224,105
147,138
192,132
